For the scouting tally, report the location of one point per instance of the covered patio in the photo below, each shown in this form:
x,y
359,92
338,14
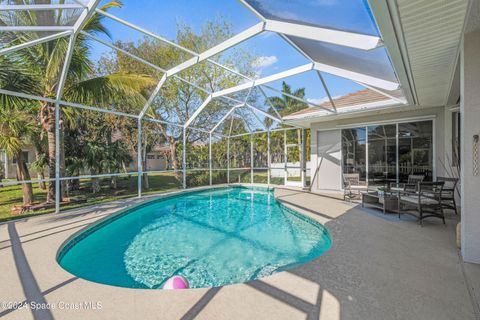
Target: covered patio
x,y
378,268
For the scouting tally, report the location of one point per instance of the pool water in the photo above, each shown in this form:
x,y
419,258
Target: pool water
x,y
213,238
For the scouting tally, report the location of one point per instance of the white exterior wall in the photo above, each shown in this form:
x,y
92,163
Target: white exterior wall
x,y
327,160
470,114
327,151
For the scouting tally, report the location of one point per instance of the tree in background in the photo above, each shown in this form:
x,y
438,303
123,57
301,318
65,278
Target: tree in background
x,y
178,100
36,70
16,132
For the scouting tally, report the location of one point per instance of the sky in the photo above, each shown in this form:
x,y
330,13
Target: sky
x,y
274,54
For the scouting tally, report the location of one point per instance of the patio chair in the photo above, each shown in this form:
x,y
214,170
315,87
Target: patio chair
x,y
411,185
448,193
413,181
427,201
352,185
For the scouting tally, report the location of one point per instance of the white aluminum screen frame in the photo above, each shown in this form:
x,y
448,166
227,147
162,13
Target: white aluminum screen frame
x,y
282,28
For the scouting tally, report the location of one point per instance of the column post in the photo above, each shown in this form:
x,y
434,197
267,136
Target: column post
x,y
184,160
268,157
251,158
228,160
139,157
58,192
210,155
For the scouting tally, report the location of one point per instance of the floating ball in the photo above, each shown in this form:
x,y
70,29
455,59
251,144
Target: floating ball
x,y
176,282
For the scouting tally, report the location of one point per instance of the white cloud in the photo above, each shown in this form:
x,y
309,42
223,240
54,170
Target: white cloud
x,y
265,61
317,100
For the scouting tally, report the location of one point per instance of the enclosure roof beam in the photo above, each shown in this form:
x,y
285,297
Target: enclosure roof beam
x,y
270,102
87,12
369,80
225,117
402,101
36,28
152,96
64,103
274,77
355,76
160,38
144,31
37,7
332,103
197,112
254,112
252,107
227,44
337,37
263,113
34,42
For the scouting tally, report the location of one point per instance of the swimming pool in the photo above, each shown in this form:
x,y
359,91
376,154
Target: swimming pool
x,y
213,238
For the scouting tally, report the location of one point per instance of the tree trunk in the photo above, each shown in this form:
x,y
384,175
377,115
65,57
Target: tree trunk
x,y
63,184
96,185
22,175
113,183
47,119
41,184
173,157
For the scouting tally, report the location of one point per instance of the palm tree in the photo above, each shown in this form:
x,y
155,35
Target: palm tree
x,y
37,69
16,131
286,105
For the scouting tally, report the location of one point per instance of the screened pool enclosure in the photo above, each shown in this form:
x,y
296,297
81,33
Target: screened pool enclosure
x,y
225,129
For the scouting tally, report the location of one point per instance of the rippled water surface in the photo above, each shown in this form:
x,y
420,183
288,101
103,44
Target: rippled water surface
x,y
213,238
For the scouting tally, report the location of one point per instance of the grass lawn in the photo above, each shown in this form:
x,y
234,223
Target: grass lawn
x,y
126,188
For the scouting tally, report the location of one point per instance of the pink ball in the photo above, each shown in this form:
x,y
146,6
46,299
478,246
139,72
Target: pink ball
x,y
176,282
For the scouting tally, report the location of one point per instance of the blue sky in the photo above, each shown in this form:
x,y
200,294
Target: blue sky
x,y
274,54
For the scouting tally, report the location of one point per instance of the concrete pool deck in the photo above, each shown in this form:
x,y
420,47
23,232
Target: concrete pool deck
x,y
379,267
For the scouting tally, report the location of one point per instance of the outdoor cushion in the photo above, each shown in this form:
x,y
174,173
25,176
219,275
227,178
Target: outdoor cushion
x,y
423,200
358,187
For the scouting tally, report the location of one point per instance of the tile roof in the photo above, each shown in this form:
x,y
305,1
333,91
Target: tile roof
x,y
364,96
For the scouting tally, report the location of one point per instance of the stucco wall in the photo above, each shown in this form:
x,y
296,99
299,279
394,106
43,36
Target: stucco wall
x,y
470,110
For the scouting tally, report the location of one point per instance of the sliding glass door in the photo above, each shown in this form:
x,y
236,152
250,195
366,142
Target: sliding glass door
x,y
415,149
382,154
354,144
387,153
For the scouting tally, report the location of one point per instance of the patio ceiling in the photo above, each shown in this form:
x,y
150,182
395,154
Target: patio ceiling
x,y
432,32
348,48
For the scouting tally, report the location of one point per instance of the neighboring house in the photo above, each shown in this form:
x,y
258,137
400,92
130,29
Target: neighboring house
x,y
156,161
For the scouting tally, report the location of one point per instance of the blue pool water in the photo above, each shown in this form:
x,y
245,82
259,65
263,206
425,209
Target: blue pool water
x,y
213,238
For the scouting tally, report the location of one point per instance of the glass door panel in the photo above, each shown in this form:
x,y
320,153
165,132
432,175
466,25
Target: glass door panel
x,y
293,165
354,152
382,154
415,149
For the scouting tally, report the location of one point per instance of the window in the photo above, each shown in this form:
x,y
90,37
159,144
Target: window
x,y
456,138
388,153
25,157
